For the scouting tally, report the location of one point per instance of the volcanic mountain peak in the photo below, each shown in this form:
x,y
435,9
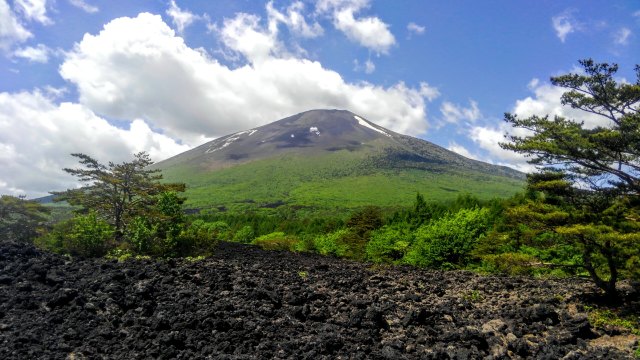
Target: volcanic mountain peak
x,y
305,133
329,157
312,128
316,132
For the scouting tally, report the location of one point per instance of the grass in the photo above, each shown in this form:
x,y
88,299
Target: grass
x,y
600,318
334,180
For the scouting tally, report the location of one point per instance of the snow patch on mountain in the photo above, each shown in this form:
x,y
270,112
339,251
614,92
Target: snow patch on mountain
x,y
215,145
314,130
364,123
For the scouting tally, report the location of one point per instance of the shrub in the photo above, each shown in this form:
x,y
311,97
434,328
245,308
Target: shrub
x,y
90,236
219,230
365,220
56,239
276,241
170,223
141,234
388,244
447,242
199,237
119,254
509,263
244,235
332,243
84,235
305,243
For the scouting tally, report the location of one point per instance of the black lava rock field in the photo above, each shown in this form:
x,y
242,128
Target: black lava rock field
x,y
245,303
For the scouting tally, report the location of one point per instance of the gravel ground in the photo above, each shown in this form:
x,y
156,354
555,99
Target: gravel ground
x,y
245,303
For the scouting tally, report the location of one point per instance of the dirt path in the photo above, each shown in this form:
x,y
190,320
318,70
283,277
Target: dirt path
x,y
245,303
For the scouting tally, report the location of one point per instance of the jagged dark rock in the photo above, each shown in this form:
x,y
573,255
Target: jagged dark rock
x,y
244,303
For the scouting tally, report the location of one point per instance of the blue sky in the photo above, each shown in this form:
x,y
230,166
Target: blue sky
x,y
110,78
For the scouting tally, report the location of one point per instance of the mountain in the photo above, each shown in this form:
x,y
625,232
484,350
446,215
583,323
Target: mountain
x,y
329,158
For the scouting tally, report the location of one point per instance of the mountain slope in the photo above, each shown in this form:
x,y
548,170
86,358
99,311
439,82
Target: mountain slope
x,y
329,158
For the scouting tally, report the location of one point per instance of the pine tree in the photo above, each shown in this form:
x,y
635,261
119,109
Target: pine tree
x,y
118,193
588,193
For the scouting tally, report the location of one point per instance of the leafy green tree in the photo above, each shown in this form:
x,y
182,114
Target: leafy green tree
x,y
170,221
118,193
85,235
141,234
365,220
593,200
389,244
448,241
90,236
421,213
21,220
360,225
333,243
245,235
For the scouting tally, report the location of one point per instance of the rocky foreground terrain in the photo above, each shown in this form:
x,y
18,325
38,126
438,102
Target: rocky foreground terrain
x,y
245,303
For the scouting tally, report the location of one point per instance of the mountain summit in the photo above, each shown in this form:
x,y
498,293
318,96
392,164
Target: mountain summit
x,y
330,152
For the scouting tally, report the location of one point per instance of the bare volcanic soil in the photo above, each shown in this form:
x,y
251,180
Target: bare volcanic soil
x,y
245,303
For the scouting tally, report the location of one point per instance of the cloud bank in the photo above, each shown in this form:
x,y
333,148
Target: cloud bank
x,y
165,97
138,68
37,137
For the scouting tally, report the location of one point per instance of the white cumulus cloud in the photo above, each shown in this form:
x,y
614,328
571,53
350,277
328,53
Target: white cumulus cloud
x,y
546,100
370,32
138,68
461,150
368,67
39,53
428,91
55,131
245,35
11,29
489,138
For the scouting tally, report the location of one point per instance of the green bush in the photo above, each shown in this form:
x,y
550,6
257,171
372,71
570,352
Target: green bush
x,y
244,235
219,230
365,220
56,240
21,220
84,235
447,242
388,244
141,234
509,263
332,243
90,236
305,243
170,224
276,241
201,237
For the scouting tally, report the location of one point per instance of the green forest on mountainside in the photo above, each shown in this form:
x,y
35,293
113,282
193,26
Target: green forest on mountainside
x,y
330,181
